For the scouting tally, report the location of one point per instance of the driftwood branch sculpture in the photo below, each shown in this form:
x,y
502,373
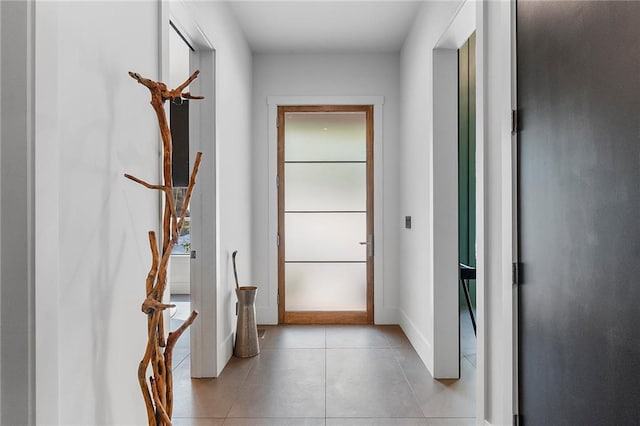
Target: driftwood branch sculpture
x,y
158,390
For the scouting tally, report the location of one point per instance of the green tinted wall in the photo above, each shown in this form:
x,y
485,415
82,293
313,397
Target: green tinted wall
x,y
467,158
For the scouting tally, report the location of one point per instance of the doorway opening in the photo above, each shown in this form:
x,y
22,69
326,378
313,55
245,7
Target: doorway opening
x,y
325,214
467,205
179,280
196,52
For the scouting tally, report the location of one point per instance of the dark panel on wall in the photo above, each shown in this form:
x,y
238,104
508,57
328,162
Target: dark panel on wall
x,y
579,100
180,139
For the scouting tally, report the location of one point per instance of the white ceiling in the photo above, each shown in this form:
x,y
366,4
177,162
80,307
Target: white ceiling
x,y
325,25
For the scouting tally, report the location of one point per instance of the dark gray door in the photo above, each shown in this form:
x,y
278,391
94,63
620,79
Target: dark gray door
x,y
579,97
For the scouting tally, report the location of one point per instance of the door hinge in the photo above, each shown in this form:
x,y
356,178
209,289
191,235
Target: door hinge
x,y
514,121
278,240
193,254
277,181
517,420
278,121
516,271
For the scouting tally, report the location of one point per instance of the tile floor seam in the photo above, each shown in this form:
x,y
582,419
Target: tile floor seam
x,y
188,355
239,389
326,378
406,378
388,341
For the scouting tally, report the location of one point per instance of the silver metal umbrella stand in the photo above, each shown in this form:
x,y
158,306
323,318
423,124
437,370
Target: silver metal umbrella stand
x,y
247,330
247,344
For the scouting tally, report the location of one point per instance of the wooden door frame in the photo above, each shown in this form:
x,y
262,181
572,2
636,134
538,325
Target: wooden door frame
x,y
329,317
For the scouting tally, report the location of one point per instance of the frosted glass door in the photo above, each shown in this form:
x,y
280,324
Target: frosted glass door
x,y
323,173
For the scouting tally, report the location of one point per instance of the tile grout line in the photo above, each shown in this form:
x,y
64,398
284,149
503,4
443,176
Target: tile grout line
x,y
239,390
406,378
325,376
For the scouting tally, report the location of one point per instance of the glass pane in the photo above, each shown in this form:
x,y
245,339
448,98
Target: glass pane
x,y
326,286
332,186
323,136
325,236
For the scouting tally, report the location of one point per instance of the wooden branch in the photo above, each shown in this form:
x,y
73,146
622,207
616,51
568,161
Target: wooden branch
x,y
158,391
177,92
192,183
164,417
188,95
166,227
161,341
168,356
175,335
144,81
158,368
145,184
174,214
151,306
161,281
142,369
161,285
161,88
158,91
153,272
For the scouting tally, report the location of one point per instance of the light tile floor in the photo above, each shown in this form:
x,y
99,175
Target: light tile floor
x,y
327,376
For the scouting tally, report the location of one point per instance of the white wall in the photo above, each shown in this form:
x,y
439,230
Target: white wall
x,y
341,75
94,123
233,152
416,266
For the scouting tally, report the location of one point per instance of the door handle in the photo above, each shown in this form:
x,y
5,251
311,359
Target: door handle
x,y
369,244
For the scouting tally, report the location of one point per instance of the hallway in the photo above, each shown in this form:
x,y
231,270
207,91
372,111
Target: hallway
x,y
333,375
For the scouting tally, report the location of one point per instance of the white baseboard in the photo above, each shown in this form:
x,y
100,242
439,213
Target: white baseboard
x,y
225,351
420,343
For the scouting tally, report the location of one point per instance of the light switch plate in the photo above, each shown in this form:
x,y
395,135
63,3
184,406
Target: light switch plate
x,y
407,222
